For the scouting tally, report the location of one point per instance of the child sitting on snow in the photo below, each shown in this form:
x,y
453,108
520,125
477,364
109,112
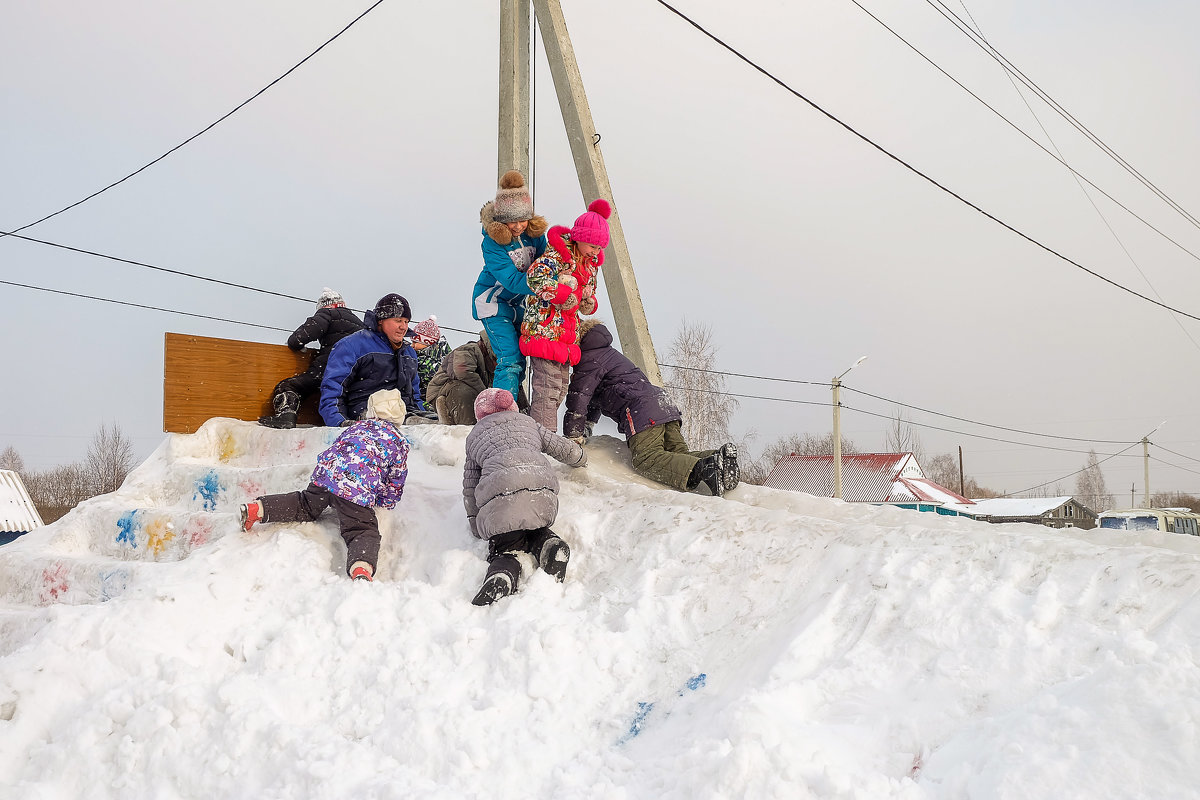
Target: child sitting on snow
x,y
431,348
606,382
511,493
366,466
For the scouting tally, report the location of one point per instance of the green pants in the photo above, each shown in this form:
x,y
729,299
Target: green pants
x,y
661,454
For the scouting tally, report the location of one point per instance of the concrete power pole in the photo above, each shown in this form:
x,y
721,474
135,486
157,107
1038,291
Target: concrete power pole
x,y
513,146
1146,461
623,295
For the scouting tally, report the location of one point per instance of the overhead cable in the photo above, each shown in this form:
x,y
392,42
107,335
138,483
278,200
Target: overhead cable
x,y
1056,156
995,54
918,172
1073,474
203,131
139,305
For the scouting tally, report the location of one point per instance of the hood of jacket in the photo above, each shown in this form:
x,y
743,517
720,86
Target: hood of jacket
x,y
593,335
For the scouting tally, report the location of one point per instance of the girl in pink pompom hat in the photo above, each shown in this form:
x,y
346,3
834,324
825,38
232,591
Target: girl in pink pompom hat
x,y
563,281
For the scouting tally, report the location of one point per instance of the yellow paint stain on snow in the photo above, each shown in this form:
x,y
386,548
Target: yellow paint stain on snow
x,y
227,447
158,532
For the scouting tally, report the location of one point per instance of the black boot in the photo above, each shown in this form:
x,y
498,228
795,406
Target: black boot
x,y
732,474
551,552
500,581
286,404
710,471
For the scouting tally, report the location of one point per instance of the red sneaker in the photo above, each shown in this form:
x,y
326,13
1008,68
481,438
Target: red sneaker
x,y
251,512
361,571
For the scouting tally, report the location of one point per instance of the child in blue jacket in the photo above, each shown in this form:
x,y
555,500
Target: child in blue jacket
x,y
513,238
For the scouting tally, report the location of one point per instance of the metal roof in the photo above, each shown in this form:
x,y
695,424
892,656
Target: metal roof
x,y
866,477
17,512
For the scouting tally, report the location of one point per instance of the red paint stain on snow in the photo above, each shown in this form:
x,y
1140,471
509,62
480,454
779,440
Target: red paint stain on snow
x,y
54,582
197,531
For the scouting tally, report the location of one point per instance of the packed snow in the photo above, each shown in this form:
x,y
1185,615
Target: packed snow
x,y
765,645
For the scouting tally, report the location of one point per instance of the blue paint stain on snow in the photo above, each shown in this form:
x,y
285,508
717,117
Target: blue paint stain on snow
x,y
643,712
127,528
207,489
639,720
113,583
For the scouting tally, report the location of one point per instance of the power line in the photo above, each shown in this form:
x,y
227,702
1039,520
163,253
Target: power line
x,y
985,424
882,416
1057,157
139,305
897,402
741,375
1073,474
918,172
180,273
203,131
996,55
144,265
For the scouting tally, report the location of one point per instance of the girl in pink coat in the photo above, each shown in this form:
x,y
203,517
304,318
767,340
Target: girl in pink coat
x,y
563,281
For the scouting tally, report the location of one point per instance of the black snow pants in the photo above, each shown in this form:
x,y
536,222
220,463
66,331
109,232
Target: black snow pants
x,y
359,526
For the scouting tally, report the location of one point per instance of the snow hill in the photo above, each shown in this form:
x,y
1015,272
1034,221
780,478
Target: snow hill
x,y
768,645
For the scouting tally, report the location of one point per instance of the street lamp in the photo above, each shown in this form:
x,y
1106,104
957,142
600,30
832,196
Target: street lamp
x,y
837,430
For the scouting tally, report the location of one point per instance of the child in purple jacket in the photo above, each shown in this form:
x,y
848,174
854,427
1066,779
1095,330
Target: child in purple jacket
x,y
365,467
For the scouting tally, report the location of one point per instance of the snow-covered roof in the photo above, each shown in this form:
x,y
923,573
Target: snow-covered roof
x,y
866,477
17,512
1017,506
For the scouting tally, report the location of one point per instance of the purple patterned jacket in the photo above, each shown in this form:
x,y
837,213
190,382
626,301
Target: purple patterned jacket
x,y
367,464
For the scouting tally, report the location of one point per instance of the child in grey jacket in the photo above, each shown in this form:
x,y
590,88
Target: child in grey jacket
x,y
510,493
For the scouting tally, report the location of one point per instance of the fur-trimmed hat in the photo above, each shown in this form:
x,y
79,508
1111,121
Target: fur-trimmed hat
x,y
512,203
390,306
426,330
493,400
497,212
592,225
386,404
329,299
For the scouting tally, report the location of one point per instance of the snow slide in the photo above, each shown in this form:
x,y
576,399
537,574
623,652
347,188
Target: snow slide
x,y
768,645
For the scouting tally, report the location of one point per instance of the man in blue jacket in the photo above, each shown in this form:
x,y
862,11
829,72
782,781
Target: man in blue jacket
x,y
369,360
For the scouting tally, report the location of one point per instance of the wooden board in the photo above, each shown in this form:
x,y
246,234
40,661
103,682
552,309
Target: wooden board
x,y
204,377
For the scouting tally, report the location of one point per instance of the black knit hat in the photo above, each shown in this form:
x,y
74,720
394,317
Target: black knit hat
x,y
392,305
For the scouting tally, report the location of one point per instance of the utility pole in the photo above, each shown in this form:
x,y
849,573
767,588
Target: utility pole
x,y
513,146
961,488
623,295
1146,460
837,430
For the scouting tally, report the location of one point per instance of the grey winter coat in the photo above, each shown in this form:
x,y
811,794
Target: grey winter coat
x,y
507,483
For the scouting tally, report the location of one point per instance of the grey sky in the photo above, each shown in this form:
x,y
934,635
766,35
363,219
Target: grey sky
x,y
743,207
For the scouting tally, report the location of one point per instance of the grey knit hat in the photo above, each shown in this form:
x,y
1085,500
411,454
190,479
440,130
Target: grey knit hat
x,y
513,203
329,299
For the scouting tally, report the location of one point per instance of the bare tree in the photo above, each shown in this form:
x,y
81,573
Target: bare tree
x,y
902,438
1174,500
56,491
109,459
1089,485
11,459
698,389
942,469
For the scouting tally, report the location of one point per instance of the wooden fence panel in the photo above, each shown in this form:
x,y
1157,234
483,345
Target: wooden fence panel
x,y
205,377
